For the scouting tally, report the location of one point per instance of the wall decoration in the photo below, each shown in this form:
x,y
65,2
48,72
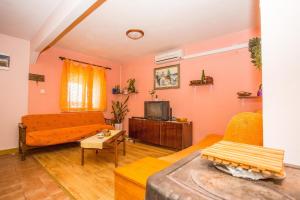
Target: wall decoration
x,y
167,77
36,77
4,61
131,85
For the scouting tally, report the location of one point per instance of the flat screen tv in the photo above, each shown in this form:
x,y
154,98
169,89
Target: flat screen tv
x,y
157,110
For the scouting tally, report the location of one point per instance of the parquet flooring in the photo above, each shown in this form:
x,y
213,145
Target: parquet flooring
x,y
94,180
20,180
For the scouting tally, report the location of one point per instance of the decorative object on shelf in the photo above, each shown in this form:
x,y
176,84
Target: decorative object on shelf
x,y
203,78
208,80
125,91
259,92
254,48
249,97
4,62
246,161
116,90
181,119
243,94
36,77
246,95
131,85
167,77
119,110
152,93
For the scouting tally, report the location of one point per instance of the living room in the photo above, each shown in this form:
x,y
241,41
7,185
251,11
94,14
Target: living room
x,y
101,99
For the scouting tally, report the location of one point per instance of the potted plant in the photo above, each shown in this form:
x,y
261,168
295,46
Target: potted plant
x,y
119,110
152,93
254,48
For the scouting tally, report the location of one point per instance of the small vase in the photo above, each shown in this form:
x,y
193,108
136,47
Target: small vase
x,y
260,92
119,126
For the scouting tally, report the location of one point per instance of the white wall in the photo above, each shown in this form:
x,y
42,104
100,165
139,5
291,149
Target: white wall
x,y
13,89
281,76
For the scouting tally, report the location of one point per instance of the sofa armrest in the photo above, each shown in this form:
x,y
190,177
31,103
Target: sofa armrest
x,y
108,121
21,125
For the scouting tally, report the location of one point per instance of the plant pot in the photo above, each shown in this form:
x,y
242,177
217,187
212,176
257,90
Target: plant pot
x,y
119,126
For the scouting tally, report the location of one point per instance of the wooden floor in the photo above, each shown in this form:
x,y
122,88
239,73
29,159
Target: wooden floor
x,y
94,180
20,180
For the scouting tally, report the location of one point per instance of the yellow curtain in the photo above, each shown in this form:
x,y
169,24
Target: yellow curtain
x,y
83,88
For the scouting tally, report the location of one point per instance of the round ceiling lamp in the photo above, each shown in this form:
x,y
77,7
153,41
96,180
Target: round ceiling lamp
x,y
135,34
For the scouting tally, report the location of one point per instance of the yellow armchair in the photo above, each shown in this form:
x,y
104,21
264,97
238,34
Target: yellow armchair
x,y
245,128
130,180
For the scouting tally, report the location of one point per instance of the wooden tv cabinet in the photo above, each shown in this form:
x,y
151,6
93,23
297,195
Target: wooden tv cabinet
x,y
171,134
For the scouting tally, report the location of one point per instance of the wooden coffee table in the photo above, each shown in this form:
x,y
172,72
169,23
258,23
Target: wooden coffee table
x,y
93,142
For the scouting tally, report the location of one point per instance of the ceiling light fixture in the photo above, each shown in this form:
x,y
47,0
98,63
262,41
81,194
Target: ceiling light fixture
x,y
135,34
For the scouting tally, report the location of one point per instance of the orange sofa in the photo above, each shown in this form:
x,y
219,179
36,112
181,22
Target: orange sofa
x,y
130,180
51,129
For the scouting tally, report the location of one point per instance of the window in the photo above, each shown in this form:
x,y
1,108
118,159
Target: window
x,y
83,88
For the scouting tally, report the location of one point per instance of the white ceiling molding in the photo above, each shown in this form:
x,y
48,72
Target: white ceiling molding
x,y
216,51
67,12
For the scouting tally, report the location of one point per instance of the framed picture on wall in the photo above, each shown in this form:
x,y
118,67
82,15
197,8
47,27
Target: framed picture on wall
x,y
4,61
167,77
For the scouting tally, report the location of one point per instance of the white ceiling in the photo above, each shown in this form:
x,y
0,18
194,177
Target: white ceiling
x,y
23,18
167,24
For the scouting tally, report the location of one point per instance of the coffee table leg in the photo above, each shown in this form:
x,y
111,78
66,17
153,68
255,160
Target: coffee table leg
x,y
116,152
82,156
124,145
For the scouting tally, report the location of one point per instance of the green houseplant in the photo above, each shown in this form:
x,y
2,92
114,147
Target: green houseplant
x,y
152,93
119,110
254,48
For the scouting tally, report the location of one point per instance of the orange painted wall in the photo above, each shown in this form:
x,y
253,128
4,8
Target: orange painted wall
x,y
49,65
209,107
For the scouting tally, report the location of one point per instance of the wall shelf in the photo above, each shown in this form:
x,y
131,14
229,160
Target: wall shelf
x,y
199,84
209,81
126,94
249,97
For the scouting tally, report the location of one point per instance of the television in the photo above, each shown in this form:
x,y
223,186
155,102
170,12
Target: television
x,y
157,110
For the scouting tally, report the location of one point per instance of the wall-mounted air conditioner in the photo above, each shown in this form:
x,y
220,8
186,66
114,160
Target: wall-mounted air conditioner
x,y
169,56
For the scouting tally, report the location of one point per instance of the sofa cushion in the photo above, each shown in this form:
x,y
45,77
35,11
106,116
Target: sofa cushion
x,y
62,135
55,121
139,171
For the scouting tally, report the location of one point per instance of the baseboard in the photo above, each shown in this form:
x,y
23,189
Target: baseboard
x,y
8,151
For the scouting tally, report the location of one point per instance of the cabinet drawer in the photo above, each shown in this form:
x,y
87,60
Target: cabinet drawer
x,y
171,135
